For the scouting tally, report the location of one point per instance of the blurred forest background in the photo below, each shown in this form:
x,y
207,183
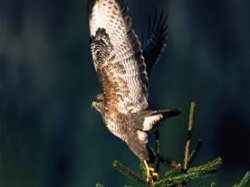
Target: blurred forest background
x,y
50,136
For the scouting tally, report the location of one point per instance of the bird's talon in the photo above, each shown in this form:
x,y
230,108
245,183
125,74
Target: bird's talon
x,y
152,176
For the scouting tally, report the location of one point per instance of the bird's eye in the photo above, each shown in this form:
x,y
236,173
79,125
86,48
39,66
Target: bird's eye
x,y
97,100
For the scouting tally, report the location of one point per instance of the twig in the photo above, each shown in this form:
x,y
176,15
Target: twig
x,y
188,141
173,164
157,150
128,172
244,180
194,152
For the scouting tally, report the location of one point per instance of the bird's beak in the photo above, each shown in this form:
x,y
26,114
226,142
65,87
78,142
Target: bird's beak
x,y
92,104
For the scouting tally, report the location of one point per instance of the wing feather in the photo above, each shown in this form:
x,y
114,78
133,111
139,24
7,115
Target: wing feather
x,y
113,86
126,71
156,40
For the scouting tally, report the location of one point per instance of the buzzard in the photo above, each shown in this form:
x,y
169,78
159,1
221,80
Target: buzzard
x,y
123,67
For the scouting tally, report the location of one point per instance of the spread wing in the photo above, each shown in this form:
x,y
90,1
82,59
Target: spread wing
x,y
156,40
123,73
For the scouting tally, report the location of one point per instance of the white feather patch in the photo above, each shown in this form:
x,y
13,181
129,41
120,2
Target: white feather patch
x,y
142,136
104,13
150,121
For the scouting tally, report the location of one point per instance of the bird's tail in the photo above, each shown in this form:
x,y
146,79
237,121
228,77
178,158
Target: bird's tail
x,y
138,140
138,144
152,118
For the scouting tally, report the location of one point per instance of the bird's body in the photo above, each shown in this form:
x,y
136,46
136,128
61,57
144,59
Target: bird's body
x,y
120,65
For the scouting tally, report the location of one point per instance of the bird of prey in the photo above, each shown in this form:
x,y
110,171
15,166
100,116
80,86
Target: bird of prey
x,y
122,67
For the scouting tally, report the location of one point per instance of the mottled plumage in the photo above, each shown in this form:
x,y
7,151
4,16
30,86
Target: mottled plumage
x,y
127,67
121,69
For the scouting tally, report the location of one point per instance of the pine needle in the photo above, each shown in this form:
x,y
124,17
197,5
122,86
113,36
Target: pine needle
x,y
128,172
192,174
243,182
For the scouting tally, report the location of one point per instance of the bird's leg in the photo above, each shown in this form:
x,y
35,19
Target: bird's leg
x,y
152,176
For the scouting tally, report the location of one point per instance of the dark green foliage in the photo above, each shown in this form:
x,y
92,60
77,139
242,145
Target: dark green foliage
x,y
192,174
243,182
173,176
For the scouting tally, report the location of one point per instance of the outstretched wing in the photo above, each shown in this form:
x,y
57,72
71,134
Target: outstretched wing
x,y
156,40
123,77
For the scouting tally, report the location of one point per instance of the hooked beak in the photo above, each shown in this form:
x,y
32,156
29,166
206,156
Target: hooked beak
x,y
93,104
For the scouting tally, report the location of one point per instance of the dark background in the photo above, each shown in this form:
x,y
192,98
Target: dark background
x,y
50,136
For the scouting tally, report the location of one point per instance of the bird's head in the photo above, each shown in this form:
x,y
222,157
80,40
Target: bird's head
x,y
98,103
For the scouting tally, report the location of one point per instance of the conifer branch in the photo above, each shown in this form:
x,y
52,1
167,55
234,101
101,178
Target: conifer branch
x,y
193,173
243,182
128,172
172,172
189,135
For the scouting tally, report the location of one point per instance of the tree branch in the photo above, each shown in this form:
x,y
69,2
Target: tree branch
x,y
128,172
